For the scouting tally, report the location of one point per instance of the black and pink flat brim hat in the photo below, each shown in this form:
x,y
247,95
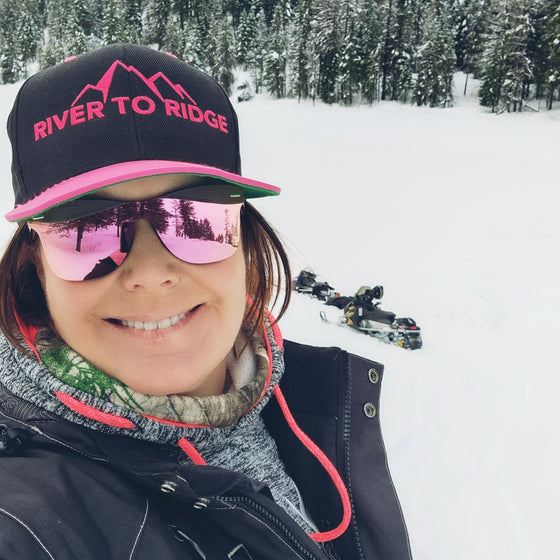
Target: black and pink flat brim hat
x,y
115,114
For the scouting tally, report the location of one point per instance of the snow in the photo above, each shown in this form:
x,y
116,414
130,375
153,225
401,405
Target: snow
x,y
454,212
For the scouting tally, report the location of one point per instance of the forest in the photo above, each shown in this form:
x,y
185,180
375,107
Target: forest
x,y
337,51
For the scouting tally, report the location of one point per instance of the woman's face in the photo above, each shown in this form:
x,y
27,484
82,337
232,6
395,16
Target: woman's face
x,y
198,308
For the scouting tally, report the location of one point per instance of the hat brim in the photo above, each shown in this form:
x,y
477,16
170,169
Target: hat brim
x,y
91,181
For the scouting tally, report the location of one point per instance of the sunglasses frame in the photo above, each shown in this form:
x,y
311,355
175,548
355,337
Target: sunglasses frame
x,y
185,227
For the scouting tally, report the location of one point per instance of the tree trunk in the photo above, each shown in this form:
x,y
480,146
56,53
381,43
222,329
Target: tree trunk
x,y
79,237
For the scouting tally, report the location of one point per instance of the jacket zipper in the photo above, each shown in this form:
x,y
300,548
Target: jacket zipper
x,y
346,435
251,505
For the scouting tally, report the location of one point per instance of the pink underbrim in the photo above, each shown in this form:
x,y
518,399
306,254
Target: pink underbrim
x,y
98,178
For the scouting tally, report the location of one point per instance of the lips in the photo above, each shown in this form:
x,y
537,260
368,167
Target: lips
x,y
153,325
161,324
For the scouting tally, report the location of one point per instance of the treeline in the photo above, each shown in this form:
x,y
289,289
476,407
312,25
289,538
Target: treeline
x,y
338,51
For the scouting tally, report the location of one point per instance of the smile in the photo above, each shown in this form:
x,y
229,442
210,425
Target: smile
x,y
153,325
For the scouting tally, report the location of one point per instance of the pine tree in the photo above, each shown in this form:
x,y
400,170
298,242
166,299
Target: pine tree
x,y
401,58
57,15
224,59
83,12
276,56
131,23
301,54
351,62
111,23
30,30
470,26
10,65
493,60
210,38
52,54
388,17
552,51
157,16
517,64
193,51
246,32
370,36
435,59
258,49
327,36
185,10
174,38
75,41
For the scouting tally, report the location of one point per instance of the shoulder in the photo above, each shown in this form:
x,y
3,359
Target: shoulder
x,y
327,379
302,359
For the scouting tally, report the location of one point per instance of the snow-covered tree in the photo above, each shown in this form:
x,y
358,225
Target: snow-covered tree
x,y
276,56
388,18
401,58
258,49
507,66
328,36
370,36
301,53
516,60
157,16
351,65
468,21
30,30
131,21
435,59
57,14
193,49
493,65
75,40
174,37
222,59
111,23
246,32
10,64
396,48
185,10
551,40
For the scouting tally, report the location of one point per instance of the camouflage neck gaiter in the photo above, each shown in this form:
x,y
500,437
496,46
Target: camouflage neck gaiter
x,y
247,367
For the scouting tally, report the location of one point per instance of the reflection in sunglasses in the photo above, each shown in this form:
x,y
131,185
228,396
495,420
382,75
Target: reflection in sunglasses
x,y
91,247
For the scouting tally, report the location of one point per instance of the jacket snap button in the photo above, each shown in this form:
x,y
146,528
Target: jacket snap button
x,y
168,487
201,503
373,375
369,410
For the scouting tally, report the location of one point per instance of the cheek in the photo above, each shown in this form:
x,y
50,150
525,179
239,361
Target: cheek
x,y
235,279
229,286
67,302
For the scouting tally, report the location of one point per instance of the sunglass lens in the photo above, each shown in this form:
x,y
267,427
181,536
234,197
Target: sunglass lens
x,y
92,247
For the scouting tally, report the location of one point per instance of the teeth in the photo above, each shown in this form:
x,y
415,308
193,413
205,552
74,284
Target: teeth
x,y
153,325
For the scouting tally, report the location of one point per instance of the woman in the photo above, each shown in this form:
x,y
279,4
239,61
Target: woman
x,y
149,407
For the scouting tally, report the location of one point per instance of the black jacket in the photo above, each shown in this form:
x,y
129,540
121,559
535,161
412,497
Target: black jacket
x,y
68,492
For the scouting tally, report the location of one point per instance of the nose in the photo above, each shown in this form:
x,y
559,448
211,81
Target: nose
x,y
148,265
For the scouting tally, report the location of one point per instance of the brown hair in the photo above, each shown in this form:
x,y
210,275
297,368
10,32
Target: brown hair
x,y
21,293
267,266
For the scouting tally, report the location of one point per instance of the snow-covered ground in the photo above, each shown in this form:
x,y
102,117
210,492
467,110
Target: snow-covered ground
x,y
454,212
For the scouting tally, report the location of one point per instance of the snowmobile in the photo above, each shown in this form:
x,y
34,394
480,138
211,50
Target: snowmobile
x,y
336,300
306,283
363,314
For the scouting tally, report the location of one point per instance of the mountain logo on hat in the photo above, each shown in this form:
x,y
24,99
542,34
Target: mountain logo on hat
x,y
95,102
